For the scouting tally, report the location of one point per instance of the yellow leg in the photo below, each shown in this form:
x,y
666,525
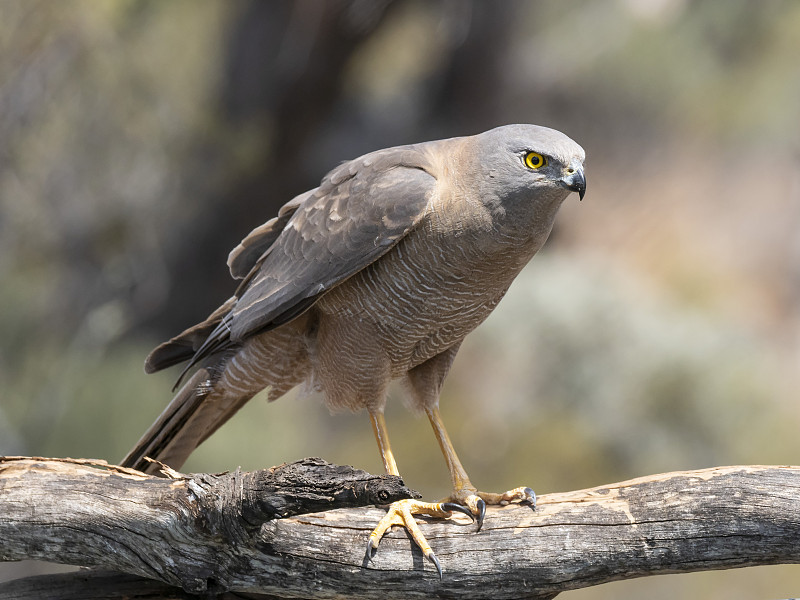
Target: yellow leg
x,y
382,437
465,499
457,473
402,512
463,491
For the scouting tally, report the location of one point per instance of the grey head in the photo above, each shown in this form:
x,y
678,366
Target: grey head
x,y
522,162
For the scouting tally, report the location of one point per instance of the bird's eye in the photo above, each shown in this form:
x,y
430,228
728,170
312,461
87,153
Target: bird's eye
x,y
534,160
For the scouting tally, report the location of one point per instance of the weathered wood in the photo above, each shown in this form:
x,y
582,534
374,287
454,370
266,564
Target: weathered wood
x,y
95,585
184,530
677,522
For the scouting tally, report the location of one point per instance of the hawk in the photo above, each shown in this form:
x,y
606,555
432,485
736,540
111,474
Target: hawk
x,y
377,274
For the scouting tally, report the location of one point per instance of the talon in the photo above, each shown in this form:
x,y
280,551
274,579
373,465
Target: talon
x,y
453,507
530,497
432,557
401,513
371,550
481,513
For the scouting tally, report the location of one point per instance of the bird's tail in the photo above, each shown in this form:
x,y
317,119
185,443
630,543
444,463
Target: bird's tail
x,y
185,423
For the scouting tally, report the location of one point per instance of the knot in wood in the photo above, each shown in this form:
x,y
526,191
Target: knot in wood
x,y
314,485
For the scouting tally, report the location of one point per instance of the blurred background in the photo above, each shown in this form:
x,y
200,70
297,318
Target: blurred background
x,y
658,330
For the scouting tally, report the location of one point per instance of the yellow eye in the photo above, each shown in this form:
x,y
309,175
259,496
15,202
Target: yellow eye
x,y
534,160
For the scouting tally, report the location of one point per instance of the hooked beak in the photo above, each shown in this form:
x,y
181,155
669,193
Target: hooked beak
x,y
574,180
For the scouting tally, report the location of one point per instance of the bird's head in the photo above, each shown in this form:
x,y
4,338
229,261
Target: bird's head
x,y
524,163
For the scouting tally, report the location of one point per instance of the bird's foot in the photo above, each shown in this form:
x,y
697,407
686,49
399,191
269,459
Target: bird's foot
x,y
402,513
466,500
476,501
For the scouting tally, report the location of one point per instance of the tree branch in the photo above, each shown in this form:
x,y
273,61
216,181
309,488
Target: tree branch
x,y
212,534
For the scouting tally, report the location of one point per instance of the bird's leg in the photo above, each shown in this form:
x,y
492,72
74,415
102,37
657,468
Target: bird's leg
x,y
463,491
382,437
402,512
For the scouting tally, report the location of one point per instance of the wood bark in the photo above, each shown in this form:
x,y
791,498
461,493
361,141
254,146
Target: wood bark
x,y
252,533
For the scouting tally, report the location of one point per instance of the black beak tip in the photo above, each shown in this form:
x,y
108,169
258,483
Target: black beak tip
x,y
575,181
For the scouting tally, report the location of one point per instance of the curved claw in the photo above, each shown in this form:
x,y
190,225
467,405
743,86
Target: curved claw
x,y
481,513
371,550
401,513
435,561
453,507
530,497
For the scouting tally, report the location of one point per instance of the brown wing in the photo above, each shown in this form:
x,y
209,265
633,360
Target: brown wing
x,y
244,257
182,347
241,261
359,212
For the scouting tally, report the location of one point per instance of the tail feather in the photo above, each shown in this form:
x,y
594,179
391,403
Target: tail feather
x,y
194,413
225,381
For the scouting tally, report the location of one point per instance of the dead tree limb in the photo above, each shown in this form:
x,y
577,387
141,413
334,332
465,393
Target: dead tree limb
x,y
213,534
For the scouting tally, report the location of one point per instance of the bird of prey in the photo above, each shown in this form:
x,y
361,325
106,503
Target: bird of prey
x,y
377,274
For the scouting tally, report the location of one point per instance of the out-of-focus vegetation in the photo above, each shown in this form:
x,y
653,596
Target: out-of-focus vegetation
x,y
659,330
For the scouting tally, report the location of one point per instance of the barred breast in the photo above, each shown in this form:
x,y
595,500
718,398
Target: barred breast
x,y
425,295
417,301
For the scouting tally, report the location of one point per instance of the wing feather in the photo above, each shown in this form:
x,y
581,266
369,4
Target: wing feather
x,y
246,255
335,234
357,214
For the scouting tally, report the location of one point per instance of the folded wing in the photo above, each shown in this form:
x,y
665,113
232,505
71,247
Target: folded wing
x,y
357,214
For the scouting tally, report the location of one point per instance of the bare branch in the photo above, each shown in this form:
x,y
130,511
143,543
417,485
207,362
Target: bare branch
x,y
209,533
